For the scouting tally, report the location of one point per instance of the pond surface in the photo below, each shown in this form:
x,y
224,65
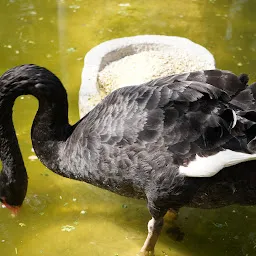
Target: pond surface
x,y
65,217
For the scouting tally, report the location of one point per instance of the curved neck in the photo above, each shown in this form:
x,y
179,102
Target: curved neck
x,y
10,154
50,129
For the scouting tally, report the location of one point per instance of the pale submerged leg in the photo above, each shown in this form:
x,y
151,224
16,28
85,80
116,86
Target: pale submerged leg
x,y
154,230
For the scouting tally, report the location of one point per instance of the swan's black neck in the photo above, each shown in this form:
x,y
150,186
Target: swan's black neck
x,y
50,127
10,154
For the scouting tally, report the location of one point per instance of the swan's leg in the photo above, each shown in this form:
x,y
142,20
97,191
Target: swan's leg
x,y
172,214
154,230
173,231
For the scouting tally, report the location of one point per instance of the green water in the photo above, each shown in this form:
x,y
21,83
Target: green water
x,y
57,34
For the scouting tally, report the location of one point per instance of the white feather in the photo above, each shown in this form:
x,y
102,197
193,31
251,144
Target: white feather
x,y
235,119
211,165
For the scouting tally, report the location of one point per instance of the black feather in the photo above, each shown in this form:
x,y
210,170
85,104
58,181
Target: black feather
x,y
134,141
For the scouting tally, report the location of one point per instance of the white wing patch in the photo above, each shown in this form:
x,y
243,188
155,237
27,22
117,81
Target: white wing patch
x,y
211,165
234,119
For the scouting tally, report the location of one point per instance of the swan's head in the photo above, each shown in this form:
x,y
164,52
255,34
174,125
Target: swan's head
x,y
12,191
31,79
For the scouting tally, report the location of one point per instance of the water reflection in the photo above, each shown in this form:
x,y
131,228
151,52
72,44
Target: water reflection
x,y
234,9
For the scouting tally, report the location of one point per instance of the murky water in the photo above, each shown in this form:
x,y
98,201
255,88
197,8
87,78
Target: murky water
x,y
64,217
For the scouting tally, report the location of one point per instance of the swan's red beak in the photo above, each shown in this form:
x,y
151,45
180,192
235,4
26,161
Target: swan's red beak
x,y
14,209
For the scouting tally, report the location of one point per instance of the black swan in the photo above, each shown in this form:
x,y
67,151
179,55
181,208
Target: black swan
x,y
167,141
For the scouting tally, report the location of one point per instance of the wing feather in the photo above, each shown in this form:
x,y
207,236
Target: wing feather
x,y
185,114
